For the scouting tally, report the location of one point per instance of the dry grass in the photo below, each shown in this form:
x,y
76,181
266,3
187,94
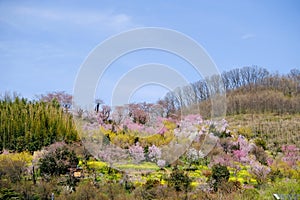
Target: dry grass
x,y
277,130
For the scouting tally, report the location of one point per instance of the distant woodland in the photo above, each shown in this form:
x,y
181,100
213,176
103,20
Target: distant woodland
x,y
248,90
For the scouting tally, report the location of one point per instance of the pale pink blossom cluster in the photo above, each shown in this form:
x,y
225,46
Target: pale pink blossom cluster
x,y
188,127
161,163
223,159
193,155
112,154
291,155
154,153
137,153
242,154
259,171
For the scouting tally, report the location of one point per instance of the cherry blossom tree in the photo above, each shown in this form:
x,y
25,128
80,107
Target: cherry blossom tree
x,y
241,154
154,153
291,155
137,153
112,154
63,98
259,171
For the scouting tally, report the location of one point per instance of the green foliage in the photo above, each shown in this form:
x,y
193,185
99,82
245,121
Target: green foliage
x,y
27,125
141,166
219,175
280,169
260,143
283,187
243,176
179,180
58,162
7,193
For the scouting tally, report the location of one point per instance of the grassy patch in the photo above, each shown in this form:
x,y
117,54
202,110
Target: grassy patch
x,y
142,166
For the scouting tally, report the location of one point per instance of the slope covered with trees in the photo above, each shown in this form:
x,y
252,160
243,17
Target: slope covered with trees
x,y
248,90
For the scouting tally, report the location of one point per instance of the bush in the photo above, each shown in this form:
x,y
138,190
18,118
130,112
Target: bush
x,y
58,161
260,154
260,143
7,194
220,174
179,180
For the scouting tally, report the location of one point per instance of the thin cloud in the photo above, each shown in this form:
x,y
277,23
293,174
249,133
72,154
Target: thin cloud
x,y
104,19
248,36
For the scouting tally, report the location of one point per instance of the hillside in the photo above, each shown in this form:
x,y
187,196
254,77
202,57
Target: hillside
x,y
248,90
154,151
275,129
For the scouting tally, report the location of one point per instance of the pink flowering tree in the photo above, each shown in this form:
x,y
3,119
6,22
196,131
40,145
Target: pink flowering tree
x,y
119,114
161,163
144,118
139,112
219,128
137,153
259,171
242,154
154,153
223,159
291,155
112,155
63,98
104,114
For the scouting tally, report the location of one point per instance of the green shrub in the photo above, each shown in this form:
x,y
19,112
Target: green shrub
x,y
6,194
58,162
260,143
220,174
179,180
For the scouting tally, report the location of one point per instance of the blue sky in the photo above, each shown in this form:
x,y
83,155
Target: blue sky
x,y
44,43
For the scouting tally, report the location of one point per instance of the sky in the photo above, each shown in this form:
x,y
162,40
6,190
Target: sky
x,y
43,44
